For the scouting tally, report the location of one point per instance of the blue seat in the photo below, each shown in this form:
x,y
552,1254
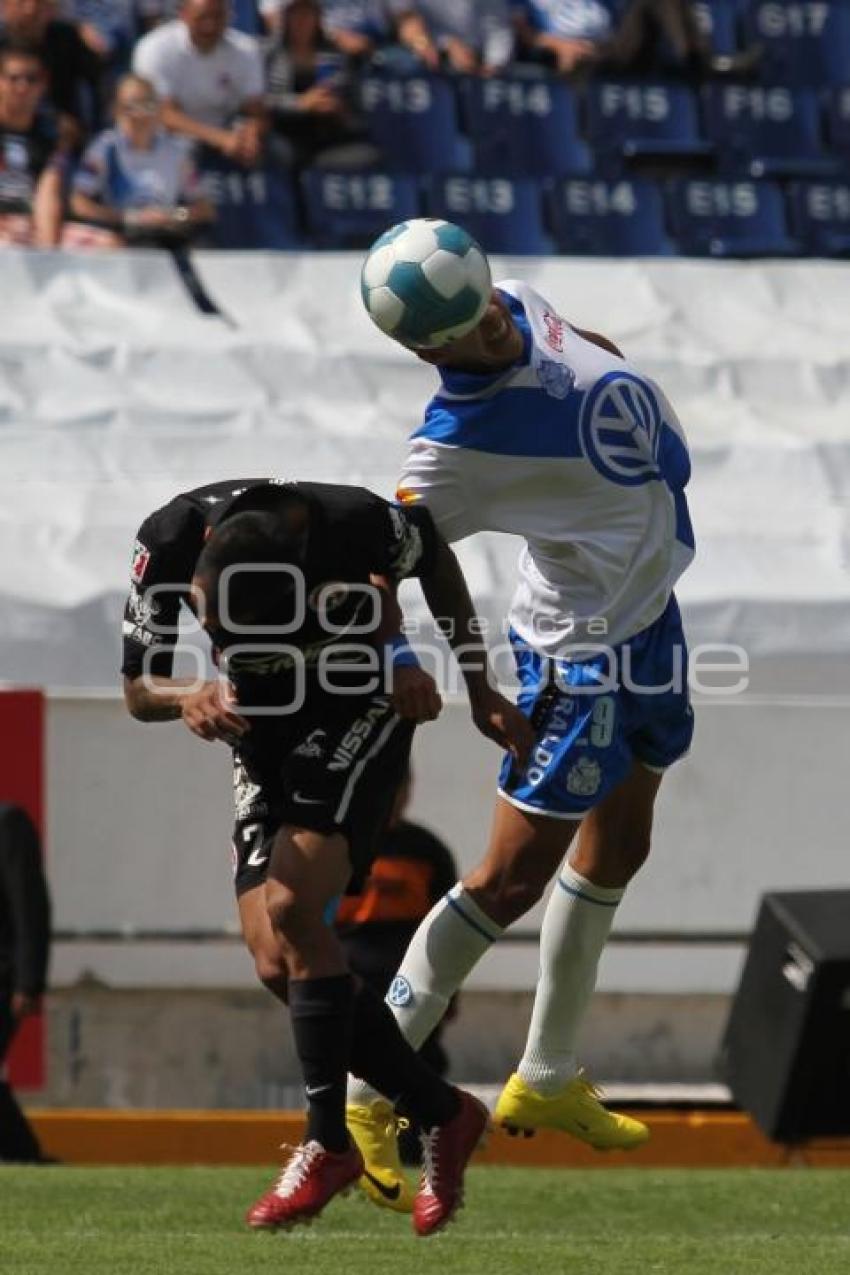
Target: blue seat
x,y
350,210
524,127
504,214
838,121
609,218
254,208
246,17
718,19
634,120
767,131
414,120
820,215
804,42
729,219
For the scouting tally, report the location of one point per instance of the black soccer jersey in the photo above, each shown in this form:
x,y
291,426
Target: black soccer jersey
x,y
352,535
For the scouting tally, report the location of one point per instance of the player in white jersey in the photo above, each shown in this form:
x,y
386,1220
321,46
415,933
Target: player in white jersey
x,y
547,432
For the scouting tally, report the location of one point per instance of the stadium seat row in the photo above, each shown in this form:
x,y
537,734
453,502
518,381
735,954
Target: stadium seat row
x,y
596,216
801,42
513,126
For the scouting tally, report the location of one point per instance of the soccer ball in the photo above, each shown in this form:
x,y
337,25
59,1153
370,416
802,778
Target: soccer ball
x,y
426,283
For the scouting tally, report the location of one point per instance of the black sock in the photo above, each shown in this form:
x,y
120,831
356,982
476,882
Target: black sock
x,y
322,1011
18,1143
383,1058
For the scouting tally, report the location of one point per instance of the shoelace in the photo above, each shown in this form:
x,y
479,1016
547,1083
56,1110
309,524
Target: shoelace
x,y
590,1089
430,1159
296,1168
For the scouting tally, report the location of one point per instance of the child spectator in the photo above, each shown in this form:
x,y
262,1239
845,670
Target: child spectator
x,y
136,183
210,78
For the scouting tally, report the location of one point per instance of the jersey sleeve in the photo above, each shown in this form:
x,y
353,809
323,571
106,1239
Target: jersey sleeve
x,y
432,479
674,459
152,608
409,542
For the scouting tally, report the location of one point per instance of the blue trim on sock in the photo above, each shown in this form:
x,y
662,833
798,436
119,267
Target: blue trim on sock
x,y
491,938
588,898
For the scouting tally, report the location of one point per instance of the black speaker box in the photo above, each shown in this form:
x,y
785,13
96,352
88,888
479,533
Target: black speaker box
x,y
786,1051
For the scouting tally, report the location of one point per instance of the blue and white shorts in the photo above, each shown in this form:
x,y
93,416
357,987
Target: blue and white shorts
x,y
594,718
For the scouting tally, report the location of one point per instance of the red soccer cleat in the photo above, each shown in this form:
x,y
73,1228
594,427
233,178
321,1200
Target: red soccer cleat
x,y
310,1179
446,1151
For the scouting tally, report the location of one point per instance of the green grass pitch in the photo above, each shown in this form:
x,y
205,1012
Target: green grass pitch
x,y
188,1221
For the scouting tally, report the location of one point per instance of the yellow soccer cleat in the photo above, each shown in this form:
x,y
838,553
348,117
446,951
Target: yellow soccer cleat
x,y
577,1109
374,1130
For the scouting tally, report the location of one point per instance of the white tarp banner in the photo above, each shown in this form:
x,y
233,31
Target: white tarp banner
x,y
116,393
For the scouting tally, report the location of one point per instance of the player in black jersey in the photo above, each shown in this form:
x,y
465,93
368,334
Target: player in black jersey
x,y
318,694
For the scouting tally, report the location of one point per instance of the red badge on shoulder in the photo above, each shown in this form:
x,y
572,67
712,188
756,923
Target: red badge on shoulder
x,y
141,558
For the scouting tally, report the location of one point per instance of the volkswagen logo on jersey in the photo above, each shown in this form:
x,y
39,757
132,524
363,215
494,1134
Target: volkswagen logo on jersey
x,y
556,378
400,993
620,429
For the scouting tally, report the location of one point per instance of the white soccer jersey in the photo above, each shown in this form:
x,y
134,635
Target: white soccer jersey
x,y
579,454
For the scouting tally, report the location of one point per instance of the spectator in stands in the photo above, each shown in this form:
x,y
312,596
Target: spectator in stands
x,y
24,947
470,37
358,28
32,162
210,78
271,15
137,183
73,70
584,36
308,98
566,33
108,27
151,13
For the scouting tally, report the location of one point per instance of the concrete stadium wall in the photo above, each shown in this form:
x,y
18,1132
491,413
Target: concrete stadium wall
x,y
139,822
233,1049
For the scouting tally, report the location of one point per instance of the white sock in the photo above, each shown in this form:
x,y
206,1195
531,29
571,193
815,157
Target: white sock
x,y
448,944
576,925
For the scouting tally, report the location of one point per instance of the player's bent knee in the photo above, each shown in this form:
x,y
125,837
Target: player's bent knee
x,y
505,900
271,971
611,864
290,917
634,854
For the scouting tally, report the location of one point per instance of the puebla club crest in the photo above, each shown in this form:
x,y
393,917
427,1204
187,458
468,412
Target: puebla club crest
x,y
556,378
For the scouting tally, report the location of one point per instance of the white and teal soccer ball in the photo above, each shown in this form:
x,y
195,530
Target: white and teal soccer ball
x,y
426,282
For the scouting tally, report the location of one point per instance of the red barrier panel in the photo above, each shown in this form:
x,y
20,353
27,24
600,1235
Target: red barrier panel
x,y
22,782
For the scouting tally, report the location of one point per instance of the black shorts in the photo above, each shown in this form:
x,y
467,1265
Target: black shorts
x,y
335,766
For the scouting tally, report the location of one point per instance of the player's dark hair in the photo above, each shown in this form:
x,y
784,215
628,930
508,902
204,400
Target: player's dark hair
x,y
252,540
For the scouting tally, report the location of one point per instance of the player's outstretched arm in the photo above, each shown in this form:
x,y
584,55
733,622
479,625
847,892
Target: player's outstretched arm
x,y
414,692
451,606
204,708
